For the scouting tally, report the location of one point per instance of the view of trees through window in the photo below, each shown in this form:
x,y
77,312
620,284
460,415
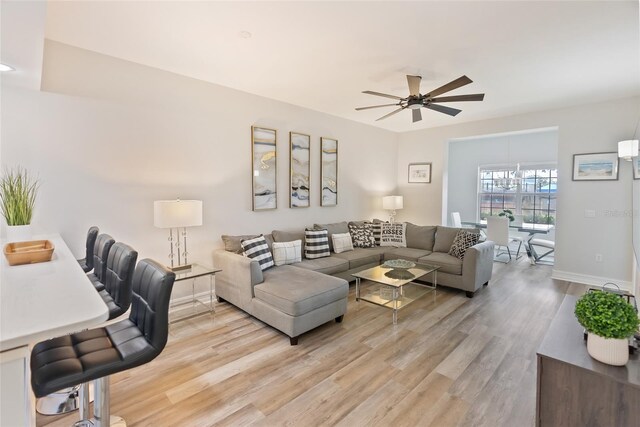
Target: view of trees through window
x,y
533,195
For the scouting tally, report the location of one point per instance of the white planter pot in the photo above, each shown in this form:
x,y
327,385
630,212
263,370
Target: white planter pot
x,y
608,350
18,233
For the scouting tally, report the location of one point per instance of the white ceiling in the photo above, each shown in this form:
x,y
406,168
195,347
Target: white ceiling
x,y
526,56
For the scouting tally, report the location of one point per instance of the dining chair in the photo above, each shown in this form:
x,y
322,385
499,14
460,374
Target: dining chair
x,y
518,236
498,233
455,219
549,247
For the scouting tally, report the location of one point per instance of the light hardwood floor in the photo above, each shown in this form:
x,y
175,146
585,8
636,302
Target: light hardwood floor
x,y
452,361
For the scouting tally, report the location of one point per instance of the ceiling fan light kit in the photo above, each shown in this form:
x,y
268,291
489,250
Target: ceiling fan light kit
x,y
415,101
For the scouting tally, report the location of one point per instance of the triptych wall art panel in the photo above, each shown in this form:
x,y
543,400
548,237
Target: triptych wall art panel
x,y
300,169
329,171
264,165
264,170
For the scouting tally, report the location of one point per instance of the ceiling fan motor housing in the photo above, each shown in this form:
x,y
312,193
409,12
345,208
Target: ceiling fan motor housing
x,y
414,102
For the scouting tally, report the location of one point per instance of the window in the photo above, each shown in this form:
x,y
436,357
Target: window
x,y
533,195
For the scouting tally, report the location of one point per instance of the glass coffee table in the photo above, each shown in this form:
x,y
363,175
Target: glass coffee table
x,y
394,288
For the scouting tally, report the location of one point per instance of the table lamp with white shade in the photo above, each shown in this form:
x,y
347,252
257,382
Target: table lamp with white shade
x,y
177,214
392,203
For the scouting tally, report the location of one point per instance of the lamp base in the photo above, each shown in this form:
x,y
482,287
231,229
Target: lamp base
x,y
180,267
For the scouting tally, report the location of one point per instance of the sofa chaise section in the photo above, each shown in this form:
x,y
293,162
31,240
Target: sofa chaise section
x,y
291,299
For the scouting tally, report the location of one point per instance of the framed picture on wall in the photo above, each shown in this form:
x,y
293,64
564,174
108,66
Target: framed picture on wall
x,y
328,171
263,168
595,167
636,167
300,161
419,173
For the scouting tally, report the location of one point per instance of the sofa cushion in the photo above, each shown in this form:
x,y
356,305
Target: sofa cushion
x,y
463,241
287,252
342,242
334,228
287,236
405,253
316,244
326,265
444,238
420,237
394,235
296,291
448,263
258,250
358,257
362,235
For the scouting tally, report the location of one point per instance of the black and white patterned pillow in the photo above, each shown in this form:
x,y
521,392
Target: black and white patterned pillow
x,y
376,227
316,244
258,250
463,241
362,235
394,235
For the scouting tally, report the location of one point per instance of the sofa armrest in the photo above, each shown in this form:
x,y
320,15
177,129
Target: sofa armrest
x,y
238,277
477,265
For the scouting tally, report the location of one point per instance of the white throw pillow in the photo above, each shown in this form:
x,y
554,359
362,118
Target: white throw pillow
x,y
393,235
287,252
342,242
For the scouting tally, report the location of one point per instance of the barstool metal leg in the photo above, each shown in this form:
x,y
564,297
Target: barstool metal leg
x,y
83,395
101,406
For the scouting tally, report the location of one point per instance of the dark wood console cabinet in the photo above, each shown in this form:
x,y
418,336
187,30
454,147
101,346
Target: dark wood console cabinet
x,y
576,390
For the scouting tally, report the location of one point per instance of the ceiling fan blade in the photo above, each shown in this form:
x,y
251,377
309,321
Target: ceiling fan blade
x,y
442,109
370,92
473,97
459,82
375,106
414,84
391,113
417,116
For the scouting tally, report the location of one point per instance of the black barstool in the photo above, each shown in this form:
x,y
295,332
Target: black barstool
x,y
97,353
100,257
87,262
120,266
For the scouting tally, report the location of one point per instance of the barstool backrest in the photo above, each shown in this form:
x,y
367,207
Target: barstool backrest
x,y
152,285
92,235
101,254
121,264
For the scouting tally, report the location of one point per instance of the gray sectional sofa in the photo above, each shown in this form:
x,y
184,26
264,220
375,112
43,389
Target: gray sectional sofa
x,y
298,297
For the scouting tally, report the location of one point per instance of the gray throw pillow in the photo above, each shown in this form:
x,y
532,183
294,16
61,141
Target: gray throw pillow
x,y
232,243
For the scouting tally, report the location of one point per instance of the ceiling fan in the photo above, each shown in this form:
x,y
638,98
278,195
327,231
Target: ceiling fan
x,y
430,100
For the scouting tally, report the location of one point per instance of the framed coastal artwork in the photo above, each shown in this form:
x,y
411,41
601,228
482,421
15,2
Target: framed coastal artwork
x,y
300,169
419,173
263,168
595,167
636,167
329,171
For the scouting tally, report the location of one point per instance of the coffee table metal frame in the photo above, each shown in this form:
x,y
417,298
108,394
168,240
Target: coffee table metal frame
x,y
401,283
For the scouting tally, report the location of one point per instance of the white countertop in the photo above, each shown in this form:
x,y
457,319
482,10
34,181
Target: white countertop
x,y
46,300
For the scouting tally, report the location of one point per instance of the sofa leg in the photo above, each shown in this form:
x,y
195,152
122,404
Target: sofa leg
x,y
339,319
220,299
293,340
470,294
486,284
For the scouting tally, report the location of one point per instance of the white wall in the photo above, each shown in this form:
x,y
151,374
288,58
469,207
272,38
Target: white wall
x,y
582,129
466,155
115,136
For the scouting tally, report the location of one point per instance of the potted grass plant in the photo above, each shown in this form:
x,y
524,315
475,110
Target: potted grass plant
x,y
609,321
18,190
508,213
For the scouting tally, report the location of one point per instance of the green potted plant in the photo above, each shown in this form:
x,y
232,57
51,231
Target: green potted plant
x,y
508,213
18,192
609,321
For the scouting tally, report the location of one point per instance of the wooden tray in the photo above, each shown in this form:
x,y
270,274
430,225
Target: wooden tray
x,y
28,252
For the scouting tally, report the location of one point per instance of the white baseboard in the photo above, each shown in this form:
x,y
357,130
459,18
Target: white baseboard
x,y
590,280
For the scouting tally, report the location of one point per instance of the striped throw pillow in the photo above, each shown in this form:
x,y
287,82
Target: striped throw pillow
x,y
258,250
316,244
376,227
